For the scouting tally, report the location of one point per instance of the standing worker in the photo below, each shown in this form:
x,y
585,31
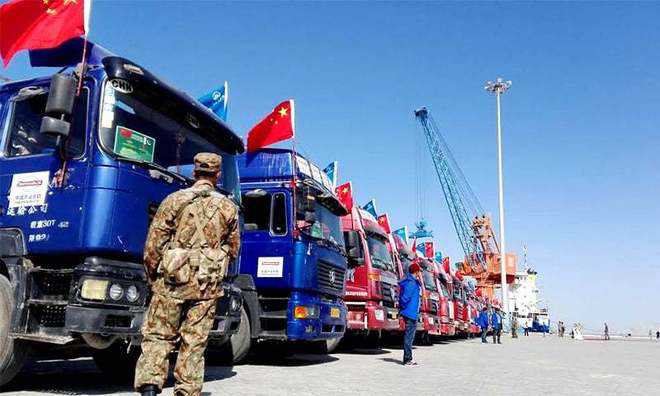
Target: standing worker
x,y
192,240
607,332
496,320
482,321
514,327
409,297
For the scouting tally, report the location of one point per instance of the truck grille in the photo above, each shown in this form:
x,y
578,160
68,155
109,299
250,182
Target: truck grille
x,y
330,279
50,315
51,284
390,294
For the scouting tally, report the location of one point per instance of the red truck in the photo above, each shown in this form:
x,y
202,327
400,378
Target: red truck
x,y
460,305
372,282
429,318
446,304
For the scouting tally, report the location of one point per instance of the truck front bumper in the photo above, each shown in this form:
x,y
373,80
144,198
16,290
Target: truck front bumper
x,y
327,323
372,316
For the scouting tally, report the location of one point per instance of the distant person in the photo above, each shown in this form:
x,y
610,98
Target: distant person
x,y
482,321
526,331
409,308
606,332
657,335
496,320
514,327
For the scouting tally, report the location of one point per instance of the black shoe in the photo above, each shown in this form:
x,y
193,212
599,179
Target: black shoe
x,y
149,390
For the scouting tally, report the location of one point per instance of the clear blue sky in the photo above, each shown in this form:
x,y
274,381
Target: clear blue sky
x,y
581,121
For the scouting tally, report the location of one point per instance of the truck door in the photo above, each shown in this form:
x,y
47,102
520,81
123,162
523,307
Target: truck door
x,y
266,238
47,214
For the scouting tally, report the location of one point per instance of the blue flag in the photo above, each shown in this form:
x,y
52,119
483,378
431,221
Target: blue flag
x,y
402,233
371,207
331,170
217,100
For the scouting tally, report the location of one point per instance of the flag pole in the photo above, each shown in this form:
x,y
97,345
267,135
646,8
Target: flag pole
x,y
294,159
83,66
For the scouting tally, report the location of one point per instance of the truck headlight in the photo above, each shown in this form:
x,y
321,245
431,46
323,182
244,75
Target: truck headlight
x,y
132,294
116,292
305,312
94,289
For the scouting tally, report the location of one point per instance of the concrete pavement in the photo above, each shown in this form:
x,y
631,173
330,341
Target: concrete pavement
x,y
527,366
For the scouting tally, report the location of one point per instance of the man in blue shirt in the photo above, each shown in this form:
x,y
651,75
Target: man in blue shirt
x,y
496,320
409,296
483,322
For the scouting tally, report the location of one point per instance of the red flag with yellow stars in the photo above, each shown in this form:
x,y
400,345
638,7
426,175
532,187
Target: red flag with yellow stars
x,y
345,195
384,222
38,24
276,127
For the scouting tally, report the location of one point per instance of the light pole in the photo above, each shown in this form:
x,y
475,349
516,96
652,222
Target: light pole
x,y
499,87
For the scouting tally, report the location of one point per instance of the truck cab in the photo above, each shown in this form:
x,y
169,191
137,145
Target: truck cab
x,y
293,264
372,280
460,306
429,318
81,177
446,326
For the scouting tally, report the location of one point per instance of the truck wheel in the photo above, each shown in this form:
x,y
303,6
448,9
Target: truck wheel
x,y
242,340
117,362
13,353
323,347
332,344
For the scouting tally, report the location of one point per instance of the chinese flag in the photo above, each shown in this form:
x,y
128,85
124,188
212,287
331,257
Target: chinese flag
x,y
38,24
277,126
428,249
445,264
345,195
384,222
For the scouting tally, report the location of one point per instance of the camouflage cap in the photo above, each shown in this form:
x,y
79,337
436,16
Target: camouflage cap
x,y
208,162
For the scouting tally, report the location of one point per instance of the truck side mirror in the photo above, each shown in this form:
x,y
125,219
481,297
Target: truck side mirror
x,y
354,248
59,107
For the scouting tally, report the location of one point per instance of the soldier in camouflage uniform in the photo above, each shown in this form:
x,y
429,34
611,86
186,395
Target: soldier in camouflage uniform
x,y
192,239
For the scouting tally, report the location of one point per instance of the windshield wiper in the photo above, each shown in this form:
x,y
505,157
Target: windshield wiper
x,y
156,167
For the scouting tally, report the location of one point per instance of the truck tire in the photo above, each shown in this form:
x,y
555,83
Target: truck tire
x,y
13,352
323,347
241,342
117,361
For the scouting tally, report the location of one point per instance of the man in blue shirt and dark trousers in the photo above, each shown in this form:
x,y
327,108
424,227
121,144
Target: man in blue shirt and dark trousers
x,y
483,322
409,296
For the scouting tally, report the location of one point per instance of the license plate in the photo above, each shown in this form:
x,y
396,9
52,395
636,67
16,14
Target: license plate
x,y
335,312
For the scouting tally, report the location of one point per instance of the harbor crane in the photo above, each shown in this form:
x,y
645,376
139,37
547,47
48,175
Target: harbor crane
x,y
473,226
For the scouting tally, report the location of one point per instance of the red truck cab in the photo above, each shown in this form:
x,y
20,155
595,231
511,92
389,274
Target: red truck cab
x,y
446,309
460,306
429,318
372,281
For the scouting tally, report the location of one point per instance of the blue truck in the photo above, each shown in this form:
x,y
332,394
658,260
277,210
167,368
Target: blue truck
x,y
81,176
293,260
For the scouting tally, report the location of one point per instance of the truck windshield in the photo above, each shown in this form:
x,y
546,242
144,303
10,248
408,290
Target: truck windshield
x,y
326,227
380,255
429,281
443,290
137,131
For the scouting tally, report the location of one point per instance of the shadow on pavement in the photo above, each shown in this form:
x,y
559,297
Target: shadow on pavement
x,y
290,361
363,351
81,376
66,376
390,360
